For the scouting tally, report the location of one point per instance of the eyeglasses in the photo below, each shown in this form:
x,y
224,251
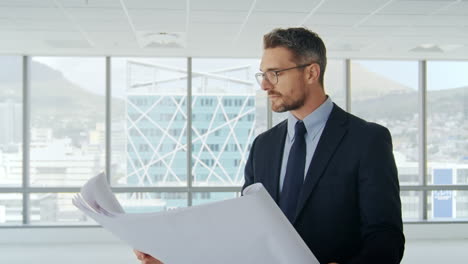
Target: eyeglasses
x,y
272,75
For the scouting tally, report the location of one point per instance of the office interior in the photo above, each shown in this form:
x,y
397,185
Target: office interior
x,y
88,86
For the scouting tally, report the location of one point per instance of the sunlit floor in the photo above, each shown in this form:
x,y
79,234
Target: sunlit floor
x,y
67,253
427,252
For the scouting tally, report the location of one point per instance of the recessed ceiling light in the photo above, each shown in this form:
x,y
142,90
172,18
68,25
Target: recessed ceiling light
x,y
150,39
426,48
431,47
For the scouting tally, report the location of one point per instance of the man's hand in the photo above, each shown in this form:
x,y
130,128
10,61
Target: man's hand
x,y
145,258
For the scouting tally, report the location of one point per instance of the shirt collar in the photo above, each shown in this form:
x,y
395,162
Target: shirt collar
x,y
313,120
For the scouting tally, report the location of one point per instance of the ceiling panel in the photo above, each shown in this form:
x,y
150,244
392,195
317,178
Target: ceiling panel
x,y
33,36
222,41
25,3
222,17
443,1
407,32
300,6
460,8
415,20
114,40
444,40
351,7
31,13
274,18
88,3
154,4
419,40
214,26
412,7
415,47
42,25
68,44
172,21
329,31
235,6
96,14
148,28
105,26
349,46
334,20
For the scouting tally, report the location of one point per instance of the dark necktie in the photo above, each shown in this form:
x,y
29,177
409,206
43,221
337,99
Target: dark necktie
x,y
294,173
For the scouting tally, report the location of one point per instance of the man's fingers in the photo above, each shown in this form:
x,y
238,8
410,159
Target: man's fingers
x,y
150,260
145,258
140,255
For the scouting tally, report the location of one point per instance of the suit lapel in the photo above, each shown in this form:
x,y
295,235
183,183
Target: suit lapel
x,y
332,134
276,158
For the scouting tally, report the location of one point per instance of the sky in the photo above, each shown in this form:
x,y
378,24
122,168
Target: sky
x,y
89,72
441,74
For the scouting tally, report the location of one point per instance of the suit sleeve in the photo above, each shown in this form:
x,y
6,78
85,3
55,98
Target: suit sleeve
x,y
379,202
249,167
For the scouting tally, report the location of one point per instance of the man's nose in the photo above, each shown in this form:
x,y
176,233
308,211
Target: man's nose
x,y
266,85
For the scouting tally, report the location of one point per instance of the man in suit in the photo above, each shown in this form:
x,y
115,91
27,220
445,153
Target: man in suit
x,y
332,174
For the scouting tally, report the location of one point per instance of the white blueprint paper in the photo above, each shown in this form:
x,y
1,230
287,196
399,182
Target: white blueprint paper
x,y
250,229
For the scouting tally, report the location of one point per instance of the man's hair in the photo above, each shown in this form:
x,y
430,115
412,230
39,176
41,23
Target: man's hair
x,y
306,46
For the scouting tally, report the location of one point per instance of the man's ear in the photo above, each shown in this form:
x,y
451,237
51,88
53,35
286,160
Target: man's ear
x,y
312,73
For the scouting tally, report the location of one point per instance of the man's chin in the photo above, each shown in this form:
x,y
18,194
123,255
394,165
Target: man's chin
x,y
278,109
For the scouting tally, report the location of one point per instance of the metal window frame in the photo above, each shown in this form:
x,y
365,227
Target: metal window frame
x,y
188,131
422,92
423,188
26,136
25,190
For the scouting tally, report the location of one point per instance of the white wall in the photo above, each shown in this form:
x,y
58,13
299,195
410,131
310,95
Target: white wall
x,y
426,243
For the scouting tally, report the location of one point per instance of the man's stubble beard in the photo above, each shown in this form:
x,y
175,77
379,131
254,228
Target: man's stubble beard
x,y
287,106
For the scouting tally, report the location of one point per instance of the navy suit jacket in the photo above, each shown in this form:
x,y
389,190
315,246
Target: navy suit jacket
x,y
349,208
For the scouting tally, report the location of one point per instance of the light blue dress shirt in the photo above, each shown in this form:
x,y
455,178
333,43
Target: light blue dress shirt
x,y
314,123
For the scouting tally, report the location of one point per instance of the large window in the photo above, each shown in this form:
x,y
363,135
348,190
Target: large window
x,y
11,207
447,138
67,120
11,138
386,92
145,202
11,113
55,209
149,122
223,119
67,133
130,118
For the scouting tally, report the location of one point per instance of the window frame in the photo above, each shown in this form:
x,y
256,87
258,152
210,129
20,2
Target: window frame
x,y
25,190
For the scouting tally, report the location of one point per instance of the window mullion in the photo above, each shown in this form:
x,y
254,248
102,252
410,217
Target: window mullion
x,y
348,85
189,131
423,134
108,119
26,72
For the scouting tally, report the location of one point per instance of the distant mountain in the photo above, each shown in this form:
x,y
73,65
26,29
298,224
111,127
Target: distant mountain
x,y
11,67
366,84
55,101
400,106
375,97
59,103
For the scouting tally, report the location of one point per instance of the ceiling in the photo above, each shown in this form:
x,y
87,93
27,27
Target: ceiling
x,y
396,29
